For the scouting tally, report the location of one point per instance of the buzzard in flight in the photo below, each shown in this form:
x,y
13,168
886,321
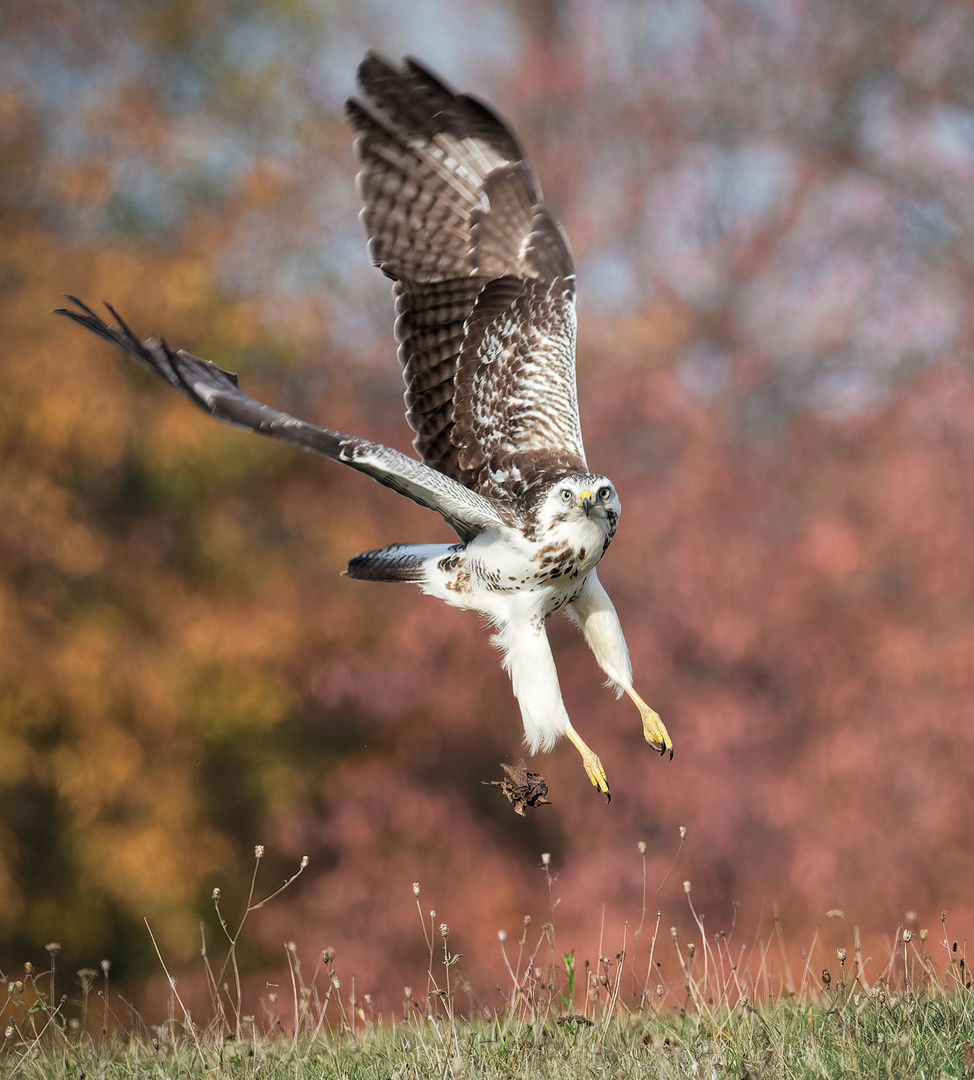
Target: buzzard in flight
x,y
485,299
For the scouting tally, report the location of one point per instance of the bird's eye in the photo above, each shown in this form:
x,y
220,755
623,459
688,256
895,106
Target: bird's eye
x,y
567,496
604,493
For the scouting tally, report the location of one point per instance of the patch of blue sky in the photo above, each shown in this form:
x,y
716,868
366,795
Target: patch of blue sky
x,y
609,283
874,112
210,152
346,255
616,166
453,39
841,390
782,13
951,134
704,369
182,81
715,198
928,226
357,332
62,83
915,316
144,202
261,40
627,38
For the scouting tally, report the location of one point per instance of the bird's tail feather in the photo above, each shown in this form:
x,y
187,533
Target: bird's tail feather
x,y
400,562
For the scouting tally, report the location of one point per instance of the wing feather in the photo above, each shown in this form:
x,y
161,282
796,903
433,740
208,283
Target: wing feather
x,y
485,283
216,391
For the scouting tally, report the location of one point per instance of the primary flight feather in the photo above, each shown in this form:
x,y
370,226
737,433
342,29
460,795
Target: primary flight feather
x,y
485,302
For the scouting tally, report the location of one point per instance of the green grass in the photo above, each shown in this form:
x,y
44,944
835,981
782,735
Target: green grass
x,y
864,1035
729,1011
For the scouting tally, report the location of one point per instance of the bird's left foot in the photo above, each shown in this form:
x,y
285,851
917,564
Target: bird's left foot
x,y
590,762
654,730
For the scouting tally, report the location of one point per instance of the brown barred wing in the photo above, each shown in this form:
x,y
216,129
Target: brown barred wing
x,y
454,215
216,391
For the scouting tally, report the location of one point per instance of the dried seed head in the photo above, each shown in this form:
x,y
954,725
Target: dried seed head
x,y
415,888
683,832
686,887
304,861
53,948
907,936
444,930
911,916
673,932
8,1031
641,847
335,981
659,990
546,858
923,935
328,954
258,851
217,893
691,950
943,916
527,921
407,992
291,947
502,936
826,978
841,954
28,968
105,966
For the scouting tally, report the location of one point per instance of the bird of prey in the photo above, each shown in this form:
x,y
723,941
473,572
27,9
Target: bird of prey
x,y
484,286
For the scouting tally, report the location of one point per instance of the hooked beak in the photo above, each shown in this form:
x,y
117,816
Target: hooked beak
x,y
585,498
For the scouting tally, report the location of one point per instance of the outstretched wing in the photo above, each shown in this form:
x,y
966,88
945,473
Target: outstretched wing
x,y
216,391
485,283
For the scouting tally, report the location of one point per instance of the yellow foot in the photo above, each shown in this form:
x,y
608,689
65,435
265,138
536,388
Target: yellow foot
x,y
590,762
654,729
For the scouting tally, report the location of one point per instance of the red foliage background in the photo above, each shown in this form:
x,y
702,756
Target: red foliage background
x,y
770,214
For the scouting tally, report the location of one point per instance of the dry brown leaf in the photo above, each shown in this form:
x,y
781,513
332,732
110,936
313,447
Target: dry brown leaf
x,y
522,788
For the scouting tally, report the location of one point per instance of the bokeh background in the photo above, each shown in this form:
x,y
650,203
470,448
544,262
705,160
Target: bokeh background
x,y
771,209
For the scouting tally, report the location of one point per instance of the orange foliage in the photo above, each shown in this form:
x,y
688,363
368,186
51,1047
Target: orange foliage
x,y
183,673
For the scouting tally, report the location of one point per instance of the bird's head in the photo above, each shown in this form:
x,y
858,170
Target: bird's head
x,y
583,499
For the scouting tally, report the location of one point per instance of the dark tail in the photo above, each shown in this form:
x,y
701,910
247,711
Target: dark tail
x,y
400,562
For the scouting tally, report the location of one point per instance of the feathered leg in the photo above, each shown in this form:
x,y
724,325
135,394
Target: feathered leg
x,y
596,615
528,660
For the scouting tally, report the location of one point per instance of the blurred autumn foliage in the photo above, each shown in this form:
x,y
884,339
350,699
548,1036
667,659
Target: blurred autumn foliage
x,y
770,206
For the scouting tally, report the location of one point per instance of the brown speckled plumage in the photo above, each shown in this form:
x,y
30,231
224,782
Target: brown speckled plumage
x,y
484,282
